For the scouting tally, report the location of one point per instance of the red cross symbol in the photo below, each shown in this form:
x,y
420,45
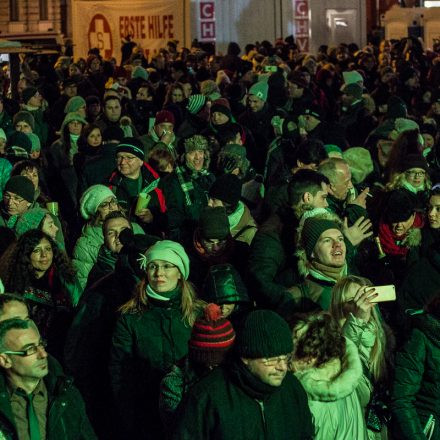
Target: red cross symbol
x,y
100,35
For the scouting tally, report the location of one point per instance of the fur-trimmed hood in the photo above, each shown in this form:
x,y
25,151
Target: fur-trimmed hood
x,y
333,381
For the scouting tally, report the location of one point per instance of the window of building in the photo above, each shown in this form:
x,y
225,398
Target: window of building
x,y
44,13
13,10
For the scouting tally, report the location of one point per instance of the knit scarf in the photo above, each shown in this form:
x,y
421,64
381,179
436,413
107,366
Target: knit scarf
x,y
73,145
327,273
166,296
186,182
249,383
393,244
235,217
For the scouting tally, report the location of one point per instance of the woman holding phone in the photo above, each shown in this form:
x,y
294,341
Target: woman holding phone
x,y
354,306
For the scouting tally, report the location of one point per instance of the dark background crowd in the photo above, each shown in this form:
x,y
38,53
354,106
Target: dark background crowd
x,y
197,241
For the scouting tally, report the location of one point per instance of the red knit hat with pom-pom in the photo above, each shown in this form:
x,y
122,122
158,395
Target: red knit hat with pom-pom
x,y
212,336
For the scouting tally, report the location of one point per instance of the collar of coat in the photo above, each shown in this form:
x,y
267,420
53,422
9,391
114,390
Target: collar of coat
x,y
335,379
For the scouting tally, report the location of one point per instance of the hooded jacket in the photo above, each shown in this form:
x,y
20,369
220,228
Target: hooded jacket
x,y
333,401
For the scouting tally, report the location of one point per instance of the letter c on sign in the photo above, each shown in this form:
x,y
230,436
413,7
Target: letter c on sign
x,y
207,10
301,8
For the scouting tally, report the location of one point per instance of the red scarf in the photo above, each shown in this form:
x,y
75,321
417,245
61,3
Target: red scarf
x,y
389,240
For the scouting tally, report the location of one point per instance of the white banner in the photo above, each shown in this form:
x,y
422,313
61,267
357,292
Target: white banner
x,y
104,24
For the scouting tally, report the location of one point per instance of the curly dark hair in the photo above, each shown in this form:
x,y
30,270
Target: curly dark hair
x,y
319,337
16,269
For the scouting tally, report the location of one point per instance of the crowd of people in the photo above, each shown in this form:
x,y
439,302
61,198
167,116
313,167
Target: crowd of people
x,y
191,246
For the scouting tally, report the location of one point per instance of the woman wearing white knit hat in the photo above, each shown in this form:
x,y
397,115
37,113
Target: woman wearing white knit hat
x,y
95,204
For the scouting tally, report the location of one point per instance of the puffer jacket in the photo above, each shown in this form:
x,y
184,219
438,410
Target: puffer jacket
x,y
333,401
416,388
66,417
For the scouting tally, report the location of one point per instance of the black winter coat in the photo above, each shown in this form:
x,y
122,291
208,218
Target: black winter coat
x,y
219,408
416,388
145,347
66,416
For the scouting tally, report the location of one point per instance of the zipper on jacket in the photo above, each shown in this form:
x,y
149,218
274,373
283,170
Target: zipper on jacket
x,y
263,416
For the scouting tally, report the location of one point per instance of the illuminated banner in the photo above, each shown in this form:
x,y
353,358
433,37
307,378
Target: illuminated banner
x,y
301,20
104,24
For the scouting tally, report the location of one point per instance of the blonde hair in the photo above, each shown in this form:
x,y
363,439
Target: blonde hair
x,y
191,307
397,180
376,363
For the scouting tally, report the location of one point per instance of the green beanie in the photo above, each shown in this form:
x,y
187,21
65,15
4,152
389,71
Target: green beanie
x,y
70,117
263,334
312,230
260,90
35,140
74,104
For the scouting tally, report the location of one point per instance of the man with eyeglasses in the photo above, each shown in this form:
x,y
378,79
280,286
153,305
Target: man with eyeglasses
x,y
36,400
255,395
18,197
134,177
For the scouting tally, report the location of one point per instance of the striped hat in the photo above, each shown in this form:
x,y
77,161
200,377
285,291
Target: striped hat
x,y
131,145
196,103
212,336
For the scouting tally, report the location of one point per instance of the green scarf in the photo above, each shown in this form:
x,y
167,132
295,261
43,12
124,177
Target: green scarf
x,y
412,188
235,217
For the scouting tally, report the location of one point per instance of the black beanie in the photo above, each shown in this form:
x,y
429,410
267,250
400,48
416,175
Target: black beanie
x,y
131,145
400,206
19,142
226,188
22,187
27,93
263,334
414,161
312,230
214,223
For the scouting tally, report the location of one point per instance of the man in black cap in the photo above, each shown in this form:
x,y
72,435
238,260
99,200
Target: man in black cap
x,y
69,89
34,103
213,244
263,397
18,197
226,192
133,179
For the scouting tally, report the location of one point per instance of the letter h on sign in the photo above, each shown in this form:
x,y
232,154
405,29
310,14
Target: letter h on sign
x,y
207,21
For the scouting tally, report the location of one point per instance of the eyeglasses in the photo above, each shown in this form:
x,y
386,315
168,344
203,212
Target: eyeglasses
x,y
152,267
106,205
415,173
29,350
13,198
272,362
128,159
